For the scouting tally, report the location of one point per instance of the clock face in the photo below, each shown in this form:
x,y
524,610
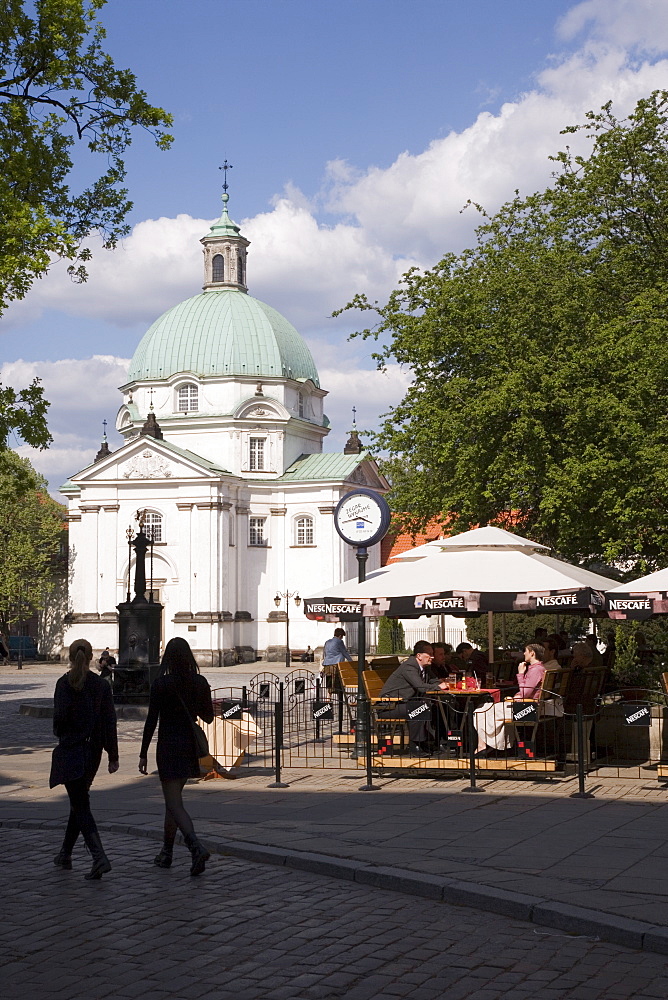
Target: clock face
x,y
362,518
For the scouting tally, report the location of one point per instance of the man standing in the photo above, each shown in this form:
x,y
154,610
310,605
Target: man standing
x,y
334,651
411,681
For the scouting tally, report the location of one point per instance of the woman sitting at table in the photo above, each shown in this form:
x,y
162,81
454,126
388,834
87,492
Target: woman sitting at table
x,y
490,720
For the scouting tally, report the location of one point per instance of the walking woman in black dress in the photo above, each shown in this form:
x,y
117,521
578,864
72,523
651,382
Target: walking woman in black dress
x,y
84,720
178,696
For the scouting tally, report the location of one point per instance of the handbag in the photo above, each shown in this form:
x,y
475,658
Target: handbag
x,y
201,741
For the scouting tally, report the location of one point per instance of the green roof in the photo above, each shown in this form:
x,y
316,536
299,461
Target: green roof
x,y
192,457
334,465
223,332
225,226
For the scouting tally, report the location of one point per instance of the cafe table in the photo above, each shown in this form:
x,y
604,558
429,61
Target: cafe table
x,y
460,698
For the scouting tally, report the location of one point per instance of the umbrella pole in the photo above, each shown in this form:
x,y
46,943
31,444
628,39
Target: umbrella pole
x,y
504,642
490,637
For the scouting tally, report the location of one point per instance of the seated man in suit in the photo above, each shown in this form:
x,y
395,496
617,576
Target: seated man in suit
x,y
411,681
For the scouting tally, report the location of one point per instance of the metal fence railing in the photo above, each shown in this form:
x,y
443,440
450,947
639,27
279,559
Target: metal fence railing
x,y
275,726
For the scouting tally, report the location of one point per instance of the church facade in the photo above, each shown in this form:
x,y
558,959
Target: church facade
x,y
223,426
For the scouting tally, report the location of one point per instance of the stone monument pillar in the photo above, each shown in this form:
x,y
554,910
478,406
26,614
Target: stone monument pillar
x,y
139,632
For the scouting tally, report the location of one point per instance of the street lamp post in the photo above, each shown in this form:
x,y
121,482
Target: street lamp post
x,y
19,658
286,596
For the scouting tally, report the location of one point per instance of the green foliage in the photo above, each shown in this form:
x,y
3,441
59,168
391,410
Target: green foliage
x,y
31,536
540,359
634,666
23,412
59,88
520,628
391,637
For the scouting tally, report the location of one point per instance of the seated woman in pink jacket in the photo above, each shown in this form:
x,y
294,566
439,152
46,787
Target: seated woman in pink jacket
x,y
490,720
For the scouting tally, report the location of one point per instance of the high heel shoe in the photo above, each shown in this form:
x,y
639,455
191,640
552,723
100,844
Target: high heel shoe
x,y
63,860
164,858
199,854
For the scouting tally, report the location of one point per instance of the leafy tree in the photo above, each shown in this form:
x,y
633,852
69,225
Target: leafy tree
x,y
31,539
58,88
520,628
391,637
540,359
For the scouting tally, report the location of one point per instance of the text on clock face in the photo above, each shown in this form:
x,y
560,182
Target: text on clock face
x,y
356,510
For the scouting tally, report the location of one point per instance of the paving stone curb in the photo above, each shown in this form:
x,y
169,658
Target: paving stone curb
x,y
637,934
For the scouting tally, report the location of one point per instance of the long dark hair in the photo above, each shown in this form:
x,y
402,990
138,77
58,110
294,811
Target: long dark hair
x,y
81,653
178,661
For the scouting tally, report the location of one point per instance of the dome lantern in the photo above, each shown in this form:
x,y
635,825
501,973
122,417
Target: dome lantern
x,y
225,251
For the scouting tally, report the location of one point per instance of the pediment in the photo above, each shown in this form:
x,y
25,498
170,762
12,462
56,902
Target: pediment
x,y
144,459
367,474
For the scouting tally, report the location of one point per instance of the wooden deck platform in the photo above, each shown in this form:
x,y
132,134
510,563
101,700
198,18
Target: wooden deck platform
x,y
396,762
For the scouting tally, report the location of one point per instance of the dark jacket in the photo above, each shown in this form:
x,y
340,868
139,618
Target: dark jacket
x,y
85,724
406,682
176,752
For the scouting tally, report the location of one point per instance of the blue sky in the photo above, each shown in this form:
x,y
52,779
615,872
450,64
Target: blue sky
x,y
357,130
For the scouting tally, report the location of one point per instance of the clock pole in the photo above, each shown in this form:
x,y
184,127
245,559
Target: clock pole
x,y
362,518
361,728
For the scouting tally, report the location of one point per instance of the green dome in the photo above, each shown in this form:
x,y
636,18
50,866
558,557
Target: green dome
x,y
222,332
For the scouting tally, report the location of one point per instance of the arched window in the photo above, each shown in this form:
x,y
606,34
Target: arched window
x,y
304,531
300,403
188,398
240,269
153,526
218,264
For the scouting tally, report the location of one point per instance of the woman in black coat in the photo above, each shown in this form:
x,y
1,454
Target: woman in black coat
x,y
178,696
84,720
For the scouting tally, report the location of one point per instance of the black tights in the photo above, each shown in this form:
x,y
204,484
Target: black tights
x,y
81,818
176,816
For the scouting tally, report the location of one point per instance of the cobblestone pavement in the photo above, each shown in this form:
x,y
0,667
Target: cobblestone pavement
x,y
606,854
253,932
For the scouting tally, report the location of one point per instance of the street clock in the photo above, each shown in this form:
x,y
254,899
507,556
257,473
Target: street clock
x,y
362,518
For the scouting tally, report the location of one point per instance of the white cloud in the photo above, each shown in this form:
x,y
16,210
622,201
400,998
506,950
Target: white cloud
x,y
307,270
73,384
372,393
628,23
82,393
414,206
158,265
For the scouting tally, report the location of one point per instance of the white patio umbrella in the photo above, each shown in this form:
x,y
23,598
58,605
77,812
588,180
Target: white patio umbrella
x,y
639,599
482,570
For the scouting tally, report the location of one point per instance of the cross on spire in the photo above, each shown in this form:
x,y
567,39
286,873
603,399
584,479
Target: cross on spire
x,y
150,392
354,416
225,167
104,424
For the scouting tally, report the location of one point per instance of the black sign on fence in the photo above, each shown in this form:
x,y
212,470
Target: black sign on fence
x,y
455,742
322,710
265,689
300,685
418,709
638,714
230,709
525,711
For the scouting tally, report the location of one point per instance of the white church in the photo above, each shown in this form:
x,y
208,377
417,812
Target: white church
x,y
223,426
